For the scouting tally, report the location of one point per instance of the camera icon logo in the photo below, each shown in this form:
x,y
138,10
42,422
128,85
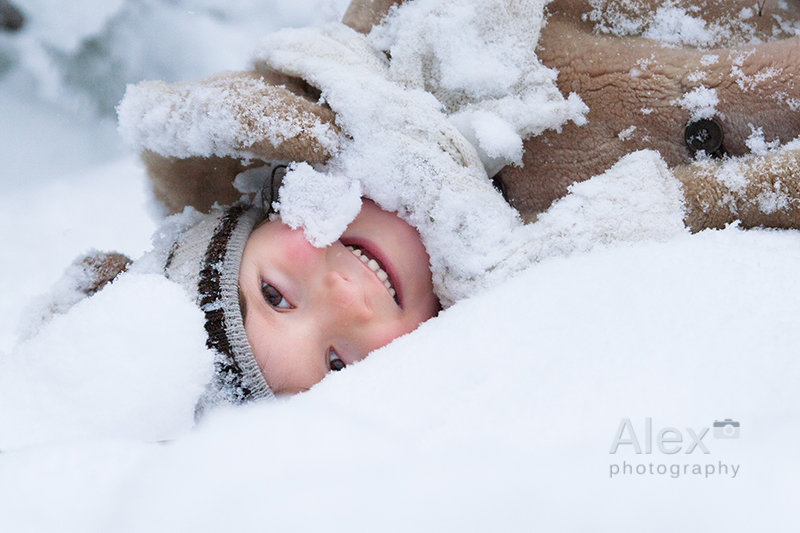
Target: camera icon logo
x,y
726,429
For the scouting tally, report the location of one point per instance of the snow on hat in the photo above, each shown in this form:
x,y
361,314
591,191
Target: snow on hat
x,y
205,260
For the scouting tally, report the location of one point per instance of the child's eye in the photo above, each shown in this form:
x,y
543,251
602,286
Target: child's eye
x,y
274,297
335,361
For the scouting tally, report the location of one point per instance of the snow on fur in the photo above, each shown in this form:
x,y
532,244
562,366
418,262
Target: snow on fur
x,y
675,22
478,58
221,118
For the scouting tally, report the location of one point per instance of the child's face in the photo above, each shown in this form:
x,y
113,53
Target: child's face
x,y
311,310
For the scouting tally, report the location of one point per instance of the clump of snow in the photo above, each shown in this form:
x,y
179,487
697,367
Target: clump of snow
x,y
756,142
609,18
706,60
625,134
129,362
701,102
697,75
743,173
731,176
478,58
497,140
70,289
639,185
792,103
785,25
771,201
299,205
748,81
675,25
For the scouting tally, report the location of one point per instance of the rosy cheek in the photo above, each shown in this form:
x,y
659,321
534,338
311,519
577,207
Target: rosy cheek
x,y
296,248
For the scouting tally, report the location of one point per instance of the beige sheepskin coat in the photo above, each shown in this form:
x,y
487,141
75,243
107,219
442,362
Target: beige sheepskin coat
x,y
635,89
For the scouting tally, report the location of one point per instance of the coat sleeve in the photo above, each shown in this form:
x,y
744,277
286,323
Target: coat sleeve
x,y
269,116
87,275
196,137
756,190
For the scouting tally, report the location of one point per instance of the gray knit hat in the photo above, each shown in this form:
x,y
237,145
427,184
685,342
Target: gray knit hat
x,y
205,259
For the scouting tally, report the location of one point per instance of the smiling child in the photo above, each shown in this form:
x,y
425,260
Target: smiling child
x,y
280,314
310,310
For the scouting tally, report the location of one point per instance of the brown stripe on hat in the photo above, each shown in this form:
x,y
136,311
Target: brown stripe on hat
x,y
205,259
226,368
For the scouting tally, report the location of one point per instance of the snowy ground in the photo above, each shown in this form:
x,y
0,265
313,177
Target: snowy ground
x,y
498,415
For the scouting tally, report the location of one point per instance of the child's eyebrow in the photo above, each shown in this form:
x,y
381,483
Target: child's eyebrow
x,y
242,304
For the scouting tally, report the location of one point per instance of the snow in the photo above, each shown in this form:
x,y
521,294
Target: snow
x,y
757,144
497,415
324,222
205,119
672,24
638,185
143,328
468,54
490,419
701,102
677,22
625,134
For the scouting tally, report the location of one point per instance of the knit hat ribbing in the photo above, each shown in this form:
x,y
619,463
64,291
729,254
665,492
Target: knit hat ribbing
x,y
205,259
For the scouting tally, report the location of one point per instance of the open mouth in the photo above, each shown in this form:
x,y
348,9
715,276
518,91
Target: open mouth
x,y
375,265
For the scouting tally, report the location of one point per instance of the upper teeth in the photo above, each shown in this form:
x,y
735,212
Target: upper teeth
x,y
375,267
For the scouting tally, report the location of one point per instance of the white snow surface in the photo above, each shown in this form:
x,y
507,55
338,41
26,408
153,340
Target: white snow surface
x,y
497,415
127,362
500,413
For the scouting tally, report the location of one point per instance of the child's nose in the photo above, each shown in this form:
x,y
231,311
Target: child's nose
x,y
346,299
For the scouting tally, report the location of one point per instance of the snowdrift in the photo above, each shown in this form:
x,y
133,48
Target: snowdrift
x,y
500,414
